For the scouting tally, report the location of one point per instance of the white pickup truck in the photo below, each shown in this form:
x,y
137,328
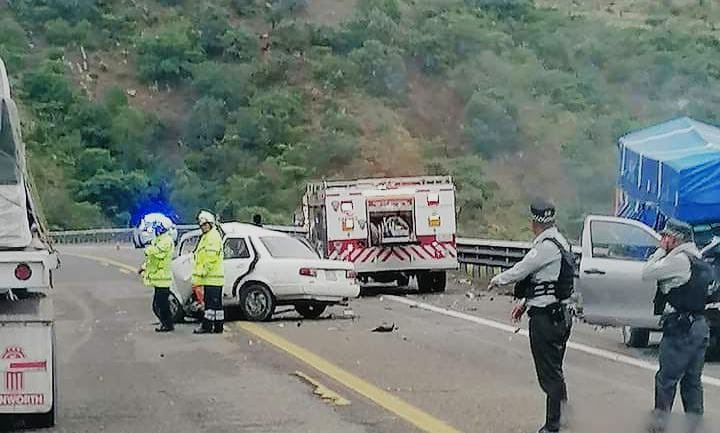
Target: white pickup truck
x,y
609,284
27,352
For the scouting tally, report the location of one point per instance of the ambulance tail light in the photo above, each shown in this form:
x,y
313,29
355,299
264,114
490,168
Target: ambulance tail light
x,y
348,224
350,275
434,221
433,199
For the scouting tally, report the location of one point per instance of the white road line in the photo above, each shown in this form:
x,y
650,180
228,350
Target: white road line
x,y
601,353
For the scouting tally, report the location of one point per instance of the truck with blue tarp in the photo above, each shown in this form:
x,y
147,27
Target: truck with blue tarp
x,y
672,170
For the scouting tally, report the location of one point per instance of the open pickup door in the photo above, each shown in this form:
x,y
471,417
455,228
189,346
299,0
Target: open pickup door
x,y
614,251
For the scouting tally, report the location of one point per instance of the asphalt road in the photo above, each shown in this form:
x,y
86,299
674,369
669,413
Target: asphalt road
x,y
434,373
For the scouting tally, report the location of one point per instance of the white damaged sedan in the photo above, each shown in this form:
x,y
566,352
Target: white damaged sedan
x,y
265,269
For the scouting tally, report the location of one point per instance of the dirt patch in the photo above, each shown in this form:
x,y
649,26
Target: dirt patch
x,y
104,70
328,12
434,111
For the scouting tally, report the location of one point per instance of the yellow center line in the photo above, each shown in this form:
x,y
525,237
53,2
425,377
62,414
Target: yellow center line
x,y
415,416
384,399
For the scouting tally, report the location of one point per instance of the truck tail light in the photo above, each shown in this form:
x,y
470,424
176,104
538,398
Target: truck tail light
x,y
23,272
350,275
308,272
433,199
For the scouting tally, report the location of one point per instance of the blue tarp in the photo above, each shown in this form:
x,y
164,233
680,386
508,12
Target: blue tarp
x,y
673,167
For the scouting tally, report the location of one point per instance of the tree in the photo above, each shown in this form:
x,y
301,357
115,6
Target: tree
x,y
212,25
382,69
489,126
116,192
168,54
93,160
239,45
13,42
280,115
390,8
211,79
277,10
206,123
47,87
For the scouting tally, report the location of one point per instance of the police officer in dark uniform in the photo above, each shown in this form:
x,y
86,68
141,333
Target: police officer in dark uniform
x,y
541,279
683,280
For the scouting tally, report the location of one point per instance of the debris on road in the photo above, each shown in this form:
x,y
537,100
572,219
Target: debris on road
x,y
326,394
469,295
348,312
385,327
281,325
299,324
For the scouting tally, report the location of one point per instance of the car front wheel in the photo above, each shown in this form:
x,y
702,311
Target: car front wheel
x,y
256,302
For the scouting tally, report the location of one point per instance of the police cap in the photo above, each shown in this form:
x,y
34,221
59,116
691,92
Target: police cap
x,y
677,229
542,211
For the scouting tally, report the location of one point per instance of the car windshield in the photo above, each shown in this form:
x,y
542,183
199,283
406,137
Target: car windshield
x,y
287,248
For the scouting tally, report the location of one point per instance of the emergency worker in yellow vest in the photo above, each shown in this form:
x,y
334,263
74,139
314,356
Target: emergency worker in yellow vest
x,y
208,271
156,273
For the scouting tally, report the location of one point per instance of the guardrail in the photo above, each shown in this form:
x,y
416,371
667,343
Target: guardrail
x,y
478,253
497,254
125,235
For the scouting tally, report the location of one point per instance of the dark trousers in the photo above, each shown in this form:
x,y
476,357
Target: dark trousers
x,y
214,313
682,358
549,334
161,304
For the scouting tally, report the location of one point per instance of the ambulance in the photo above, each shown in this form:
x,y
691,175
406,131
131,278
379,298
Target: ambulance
x,y
391,229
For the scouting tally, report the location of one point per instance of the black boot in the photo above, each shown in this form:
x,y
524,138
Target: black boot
x,y
218,327
205,327
164,328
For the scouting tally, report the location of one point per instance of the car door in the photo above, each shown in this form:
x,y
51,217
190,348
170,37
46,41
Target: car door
x,y
614,251
238,260
182,266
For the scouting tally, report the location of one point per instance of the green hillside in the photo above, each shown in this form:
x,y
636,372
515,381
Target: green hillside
x,y
234,104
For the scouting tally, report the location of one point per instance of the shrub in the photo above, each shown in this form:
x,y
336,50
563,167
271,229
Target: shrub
x,y
212,24
13,42
382,69
239,45
229,83
206,123
168,54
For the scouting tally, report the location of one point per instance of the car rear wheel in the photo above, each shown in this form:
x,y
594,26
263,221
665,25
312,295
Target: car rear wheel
x,y
176,310
257,303
636,337
310,310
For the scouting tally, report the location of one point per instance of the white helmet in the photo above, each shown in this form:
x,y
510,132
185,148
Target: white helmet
x,y
205,217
